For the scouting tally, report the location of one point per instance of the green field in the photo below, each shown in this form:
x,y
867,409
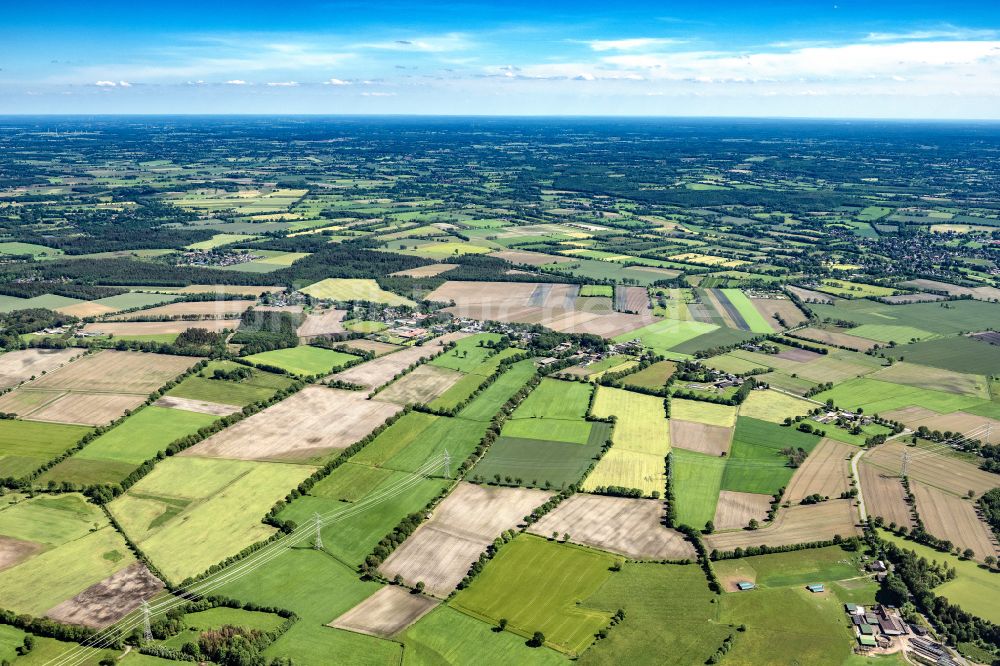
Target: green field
x,y
874,397
11,638
216,618
975,589
796,568
116,453
190,513
468,354
319,589
135,300
550,430
653,376
303,360
15,248
754,319
604,290
449,636
537,462
961,354
535,584
697,482
345,289
27,445
261,385
670,617
51,520
958,317
489,402
555,399
664,335
755,463
890,333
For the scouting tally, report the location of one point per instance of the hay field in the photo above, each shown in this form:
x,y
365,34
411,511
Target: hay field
x,y
835,338
441,551
129,328
430,270
703,412
116,372
653,376
347,289
827,471
299,427
884,495
773,406
630,527
700,437
953,518
940,471
530,258
783,307
203,309
423,385
22,364
964,422
386,613
190,513
382,369
797,524
735,510
629,469
76,408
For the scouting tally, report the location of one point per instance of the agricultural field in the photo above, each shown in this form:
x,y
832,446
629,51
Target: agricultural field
x,y
205,387
24,364
755,463
518,585
190,513
303,360
343,289
653,376
27,445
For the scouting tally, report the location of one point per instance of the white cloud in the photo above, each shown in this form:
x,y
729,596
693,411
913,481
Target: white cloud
x,y
378,94
633,44
282,84
949,32
337,82
236,82
125,84
105,84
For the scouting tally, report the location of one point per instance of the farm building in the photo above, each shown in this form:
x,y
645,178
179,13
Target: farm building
x,y
817,587
744,586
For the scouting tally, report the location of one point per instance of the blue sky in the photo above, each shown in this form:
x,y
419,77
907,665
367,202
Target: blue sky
x,y
814,59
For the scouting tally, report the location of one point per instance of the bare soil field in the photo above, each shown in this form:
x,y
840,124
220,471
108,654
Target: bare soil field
x,y
736,510
953,518
117,372
383,369
783,307
430,270
86,408
547,304
374,346
122,328
798,355
633,299
386,613
884,495
441,551
836,338
796,524
530,258
206,309
700,437
202,406
938,470
420,386
14,551
322,323
808,295
981,293
110,600
312,422
827,471
914,417
631,527
18,366
86,309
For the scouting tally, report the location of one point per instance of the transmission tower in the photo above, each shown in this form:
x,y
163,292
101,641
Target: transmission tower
x,y
318,543
906,461
447,464
147,631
